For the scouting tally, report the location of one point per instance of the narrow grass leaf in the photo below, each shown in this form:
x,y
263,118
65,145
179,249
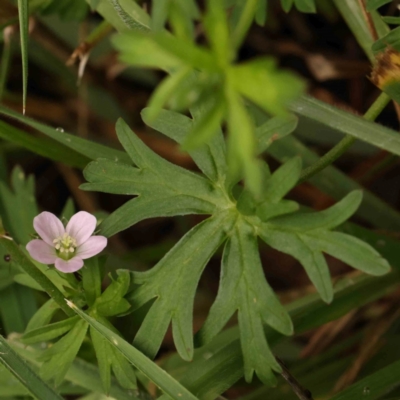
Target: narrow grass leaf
x,y
20,369
82,146
373,386
23,14
347,123
164,381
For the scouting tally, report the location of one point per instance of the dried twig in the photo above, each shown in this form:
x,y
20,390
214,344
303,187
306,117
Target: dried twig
x,y
302,393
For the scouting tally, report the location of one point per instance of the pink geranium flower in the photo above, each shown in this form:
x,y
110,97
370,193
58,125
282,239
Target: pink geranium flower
x,y
65,247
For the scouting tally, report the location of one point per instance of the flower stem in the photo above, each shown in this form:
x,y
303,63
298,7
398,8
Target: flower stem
x,y
332,155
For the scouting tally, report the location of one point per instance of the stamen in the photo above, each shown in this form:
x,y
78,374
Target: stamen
x,y
65,244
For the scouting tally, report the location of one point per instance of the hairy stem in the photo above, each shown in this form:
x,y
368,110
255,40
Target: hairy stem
x,y
332,155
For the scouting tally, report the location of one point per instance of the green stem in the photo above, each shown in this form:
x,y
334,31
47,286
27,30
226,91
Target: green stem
x,y
246,18
332,155
99,33
17,257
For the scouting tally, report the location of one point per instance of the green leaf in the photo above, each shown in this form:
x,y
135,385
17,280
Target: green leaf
x,y
287,5
306,240
282,181
337,185
312,260
159,14
111,302
18,304
43,316
241,143
261,13
23,15
267,210
69,209
49,332
306,6
141,50
219,364
350,250
175,179
164,381
373,386
108,357
181,268
327,219
103,355
80,374
251,79
141,208
91,280
18,205
131,14
165,90
60,356
217,31
374,4
82,146
210,157
392,39
274,129
165,189
391,20
243,287
19,368
207,126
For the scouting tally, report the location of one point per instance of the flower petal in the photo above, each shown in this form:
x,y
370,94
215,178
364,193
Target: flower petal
x,y
94,245
41,251
81,226
69,266
48,226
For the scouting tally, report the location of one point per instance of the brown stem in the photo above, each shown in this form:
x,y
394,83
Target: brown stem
x,y
369,19
302,393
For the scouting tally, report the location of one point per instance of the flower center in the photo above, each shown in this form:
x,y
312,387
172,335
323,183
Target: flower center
x,y
65,246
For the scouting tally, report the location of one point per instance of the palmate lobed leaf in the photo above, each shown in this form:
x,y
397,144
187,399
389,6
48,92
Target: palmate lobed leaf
x,y
306,236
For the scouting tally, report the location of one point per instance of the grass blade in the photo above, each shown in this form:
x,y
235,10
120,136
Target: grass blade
x,y
347,123
164,381
81,373
18,367
82,146
23,13
373,386
42,146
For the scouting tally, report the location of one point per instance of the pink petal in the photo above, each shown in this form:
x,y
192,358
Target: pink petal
x,y
48,226
41,251
69,266
94,245
81,226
